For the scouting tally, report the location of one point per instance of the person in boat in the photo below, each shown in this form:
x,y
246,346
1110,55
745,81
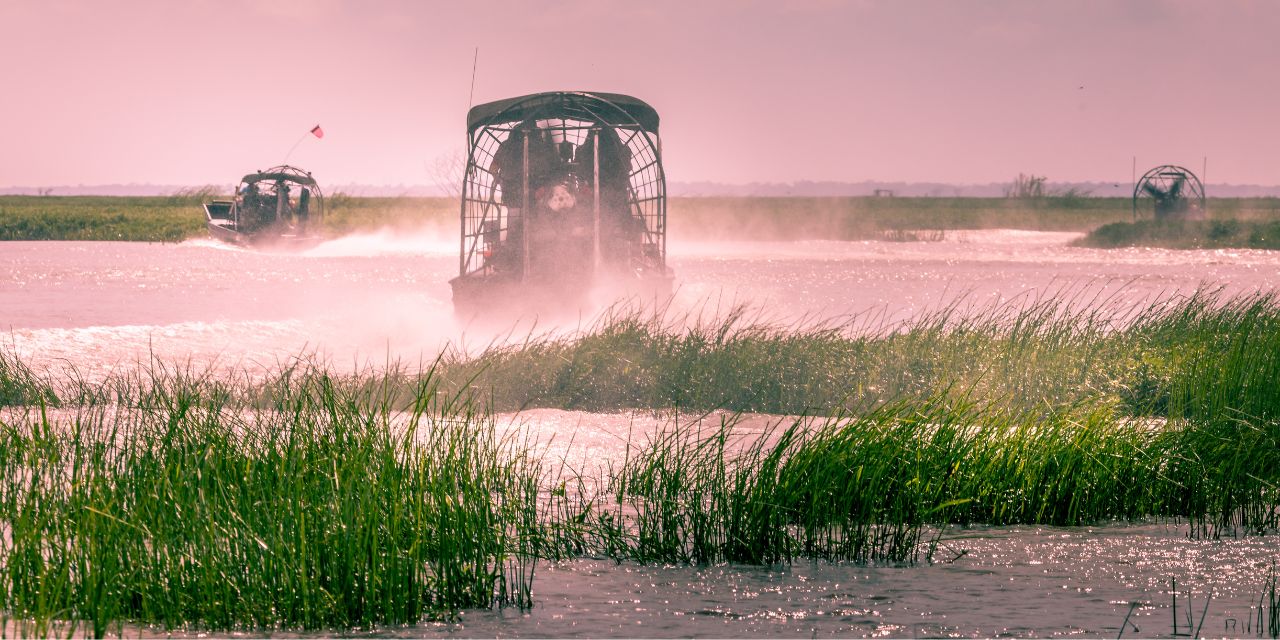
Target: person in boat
x,y
508,168
250,206
304,207
508,163
616,222
283,210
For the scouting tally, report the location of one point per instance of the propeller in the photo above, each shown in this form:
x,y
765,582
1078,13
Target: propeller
x,y
1174,192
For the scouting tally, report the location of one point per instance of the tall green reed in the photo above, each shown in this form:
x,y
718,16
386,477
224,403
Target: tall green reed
x,y
331,509
1159,360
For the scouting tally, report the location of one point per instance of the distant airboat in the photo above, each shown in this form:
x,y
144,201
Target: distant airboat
x,y
1168,192
563,191
282,205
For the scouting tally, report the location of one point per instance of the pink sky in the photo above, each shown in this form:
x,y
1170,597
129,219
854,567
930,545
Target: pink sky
x,y
964,92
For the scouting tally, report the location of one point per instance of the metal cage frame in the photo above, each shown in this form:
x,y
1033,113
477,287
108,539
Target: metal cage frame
x,y
1162,179
285,173
575,123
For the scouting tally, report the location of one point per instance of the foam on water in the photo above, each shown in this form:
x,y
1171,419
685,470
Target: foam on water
x,y
386,242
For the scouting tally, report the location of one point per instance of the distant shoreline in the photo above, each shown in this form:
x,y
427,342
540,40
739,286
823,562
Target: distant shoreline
x,y
177,218
689,189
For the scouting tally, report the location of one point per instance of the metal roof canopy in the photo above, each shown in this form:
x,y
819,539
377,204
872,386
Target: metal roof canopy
x,y
536,106
282,172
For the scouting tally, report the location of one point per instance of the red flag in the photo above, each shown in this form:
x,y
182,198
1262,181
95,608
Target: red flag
x,y
317,131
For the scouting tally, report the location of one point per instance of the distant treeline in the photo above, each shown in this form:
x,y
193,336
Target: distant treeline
x,y
677,188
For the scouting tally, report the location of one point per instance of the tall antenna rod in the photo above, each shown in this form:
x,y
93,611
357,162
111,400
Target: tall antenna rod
x,y
1134,184
1204,185
474,61
471,96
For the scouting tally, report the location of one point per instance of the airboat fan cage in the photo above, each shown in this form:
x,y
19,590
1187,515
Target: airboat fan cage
x,y
1168,192
576,126
293,192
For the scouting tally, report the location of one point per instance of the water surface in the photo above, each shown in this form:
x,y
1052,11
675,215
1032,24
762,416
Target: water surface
x,y
99,306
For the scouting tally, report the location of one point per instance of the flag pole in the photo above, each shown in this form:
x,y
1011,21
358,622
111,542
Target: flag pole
x,y
314,131
295,146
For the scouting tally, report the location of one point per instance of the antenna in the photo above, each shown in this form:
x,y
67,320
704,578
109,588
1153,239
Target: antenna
x,y
474,62
1204,178
471,96
1135,188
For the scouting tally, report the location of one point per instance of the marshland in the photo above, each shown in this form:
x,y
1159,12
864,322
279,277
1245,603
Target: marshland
x,y
1246,223
284,394
825,437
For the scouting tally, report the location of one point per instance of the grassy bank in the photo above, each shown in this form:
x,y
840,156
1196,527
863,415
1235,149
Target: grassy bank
x,y
149,219
178,498
860,218
174,218
1187,234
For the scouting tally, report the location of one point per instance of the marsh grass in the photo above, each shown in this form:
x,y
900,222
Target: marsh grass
x,y
331,509
1193,354
1267,619
178,216
870,218
1187,234
874,487
20,386
171,496
149,219
879,486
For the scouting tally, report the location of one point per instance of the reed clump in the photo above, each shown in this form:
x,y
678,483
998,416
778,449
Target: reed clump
x,y
20,386
1198,354
880,486
331,509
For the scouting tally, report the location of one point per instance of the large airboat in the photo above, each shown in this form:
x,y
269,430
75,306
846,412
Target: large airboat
x,y
282,205
564,193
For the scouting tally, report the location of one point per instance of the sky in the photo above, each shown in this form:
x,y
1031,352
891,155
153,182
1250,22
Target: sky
x,y
202,91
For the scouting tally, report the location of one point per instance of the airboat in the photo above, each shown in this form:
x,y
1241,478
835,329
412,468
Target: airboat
x,y
282,205
563,194
1169,192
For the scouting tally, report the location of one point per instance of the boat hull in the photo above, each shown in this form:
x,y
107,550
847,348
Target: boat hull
x,y
481,295
262,239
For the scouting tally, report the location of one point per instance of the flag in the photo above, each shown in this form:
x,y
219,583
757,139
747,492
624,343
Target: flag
x,y
317,131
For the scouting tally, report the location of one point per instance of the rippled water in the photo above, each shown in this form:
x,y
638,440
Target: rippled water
x,y
1006,582
365,299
